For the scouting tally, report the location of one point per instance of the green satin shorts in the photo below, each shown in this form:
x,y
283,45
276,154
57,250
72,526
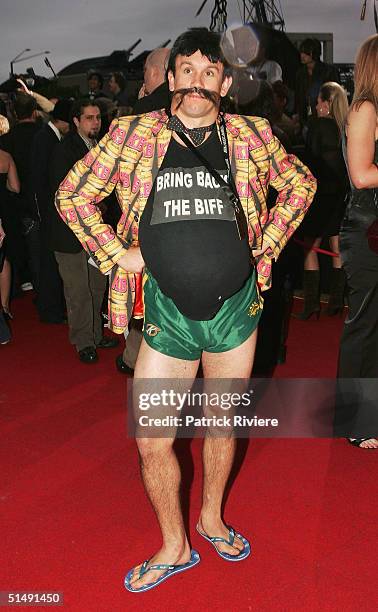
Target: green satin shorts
x,y
171,333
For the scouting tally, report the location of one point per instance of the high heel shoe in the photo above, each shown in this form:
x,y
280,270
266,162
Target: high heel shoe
x,y
7,313
358,441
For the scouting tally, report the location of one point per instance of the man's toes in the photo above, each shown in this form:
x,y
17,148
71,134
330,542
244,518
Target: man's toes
x,y
233,549
139,582
229,550
239,544
135,575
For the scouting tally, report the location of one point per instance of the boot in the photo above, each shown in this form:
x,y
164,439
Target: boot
x,y
336,294
311,292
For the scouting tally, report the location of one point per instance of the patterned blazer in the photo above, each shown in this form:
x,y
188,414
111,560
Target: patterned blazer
x,y
128,158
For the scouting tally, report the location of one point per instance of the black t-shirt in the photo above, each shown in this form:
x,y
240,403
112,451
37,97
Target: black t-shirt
x,y
188,234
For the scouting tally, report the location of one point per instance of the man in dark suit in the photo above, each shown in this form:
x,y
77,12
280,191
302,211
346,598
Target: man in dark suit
x,y
310,77
154,93
84,285
50,299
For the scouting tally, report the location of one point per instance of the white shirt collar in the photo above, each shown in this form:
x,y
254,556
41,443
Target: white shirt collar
x,y
55,129
90,143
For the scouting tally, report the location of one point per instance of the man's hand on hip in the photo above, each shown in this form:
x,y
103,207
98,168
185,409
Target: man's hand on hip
x,y
132,261
258,252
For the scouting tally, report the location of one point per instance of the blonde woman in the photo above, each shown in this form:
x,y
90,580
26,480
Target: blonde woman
x,y
359,250
325,158
4,125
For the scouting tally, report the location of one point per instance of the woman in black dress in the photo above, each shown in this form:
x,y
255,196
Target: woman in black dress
x,y
359,344
325,158
8,182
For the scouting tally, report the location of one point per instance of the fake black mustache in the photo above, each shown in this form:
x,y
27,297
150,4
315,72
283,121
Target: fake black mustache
x,y
213,96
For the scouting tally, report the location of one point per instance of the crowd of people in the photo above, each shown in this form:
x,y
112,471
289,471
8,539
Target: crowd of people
x,y
176,173
41,139
38,133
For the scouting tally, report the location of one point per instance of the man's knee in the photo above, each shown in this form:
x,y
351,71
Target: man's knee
x,y
153,447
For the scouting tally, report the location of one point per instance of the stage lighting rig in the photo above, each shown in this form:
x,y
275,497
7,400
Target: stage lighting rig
x,y
264,12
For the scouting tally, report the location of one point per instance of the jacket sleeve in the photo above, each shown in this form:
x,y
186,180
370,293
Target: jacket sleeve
x,y
296,188
39,163
89,181
59,165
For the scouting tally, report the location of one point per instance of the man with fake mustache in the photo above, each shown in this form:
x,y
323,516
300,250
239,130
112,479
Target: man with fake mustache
x,y
192,184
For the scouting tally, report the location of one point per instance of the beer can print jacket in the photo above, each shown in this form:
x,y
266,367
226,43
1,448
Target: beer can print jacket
x,y
128,158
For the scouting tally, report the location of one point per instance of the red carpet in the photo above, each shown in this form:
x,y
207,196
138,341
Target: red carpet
x,y
75,519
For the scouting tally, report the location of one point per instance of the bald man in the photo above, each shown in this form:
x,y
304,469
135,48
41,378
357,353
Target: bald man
x,y
154,92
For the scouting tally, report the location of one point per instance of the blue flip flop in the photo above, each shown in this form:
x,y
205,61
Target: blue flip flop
x,y
171,570
243,554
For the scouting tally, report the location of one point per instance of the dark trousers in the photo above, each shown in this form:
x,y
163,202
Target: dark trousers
x,y
359,343
32,236
84,288
50,299
357,408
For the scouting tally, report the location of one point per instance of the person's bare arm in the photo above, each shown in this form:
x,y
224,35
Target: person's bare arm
x,y
44,103
13,183
361,130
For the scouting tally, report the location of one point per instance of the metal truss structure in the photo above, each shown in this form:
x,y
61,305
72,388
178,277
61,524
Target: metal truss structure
x,y
265,12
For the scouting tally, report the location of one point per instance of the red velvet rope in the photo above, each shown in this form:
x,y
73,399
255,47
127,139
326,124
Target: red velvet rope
x,y
316,249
